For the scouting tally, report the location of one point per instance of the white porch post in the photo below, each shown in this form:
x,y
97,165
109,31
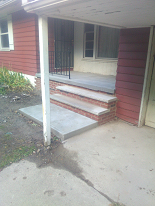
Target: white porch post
x,y
44,66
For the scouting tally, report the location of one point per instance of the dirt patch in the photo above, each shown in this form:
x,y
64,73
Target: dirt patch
x,y
21,138
18,136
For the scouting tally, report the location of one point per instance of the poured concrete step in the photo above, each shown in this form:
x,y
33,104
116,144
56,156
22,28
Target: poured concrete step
x,y
87,93
85,106
64,123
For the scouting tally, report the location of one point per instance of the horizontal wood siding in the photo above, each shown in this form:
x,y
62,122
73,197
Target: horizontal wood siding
x,y
132,56
24,57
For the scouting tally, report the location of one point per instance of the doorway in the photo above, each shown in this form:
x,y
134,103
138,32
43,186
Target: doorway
x,y
64,41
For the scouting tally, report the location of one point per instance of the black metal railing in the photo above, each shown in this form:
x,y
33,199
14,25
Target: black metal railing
x,y
59,63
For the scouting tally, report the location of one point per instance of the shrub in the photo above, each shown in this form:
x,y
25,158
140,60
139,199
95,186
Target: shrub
x,y
13,81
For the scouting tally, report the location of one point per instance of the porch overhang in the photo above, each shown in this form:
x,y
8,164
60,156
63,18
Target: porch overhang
x,y
120,13
9,6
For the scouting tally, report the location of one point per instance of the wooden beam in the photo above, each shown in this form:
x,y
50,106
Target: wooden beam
x,y
44,66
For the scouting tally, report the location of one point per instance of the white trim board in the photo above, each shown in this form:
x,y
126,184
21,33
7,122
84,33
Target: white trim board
x,y
147,79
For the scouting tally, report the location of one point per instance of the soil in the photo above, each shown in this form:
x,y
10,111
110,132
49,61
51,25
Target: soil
x,y
18,132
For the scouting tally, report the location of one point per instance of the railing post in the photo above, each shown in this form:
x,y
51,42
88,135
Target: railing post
x,y
61,62
66,62
69,65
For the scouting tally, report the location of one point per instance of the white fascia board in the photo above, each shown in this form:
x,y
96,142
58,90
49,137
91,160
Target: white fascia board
x,y
33,6
83,21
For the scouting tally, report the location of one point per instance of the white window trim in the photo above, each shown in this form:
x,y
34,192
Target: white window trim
x,y
95,49
10,34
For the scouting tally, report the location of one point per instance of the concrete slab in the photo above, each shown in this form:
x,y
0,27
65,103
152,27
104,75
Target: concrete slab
x,y
23,184
86,93
98,82
85,106
64,123
120,160
117,158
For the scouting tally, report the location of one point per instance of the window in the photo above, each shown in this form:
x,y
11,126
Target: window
x,y
108,42
6,34
101,42
89,40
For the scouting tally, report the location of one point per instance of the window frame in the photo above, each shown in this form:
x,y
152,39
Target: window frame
x,y
95,47
8,19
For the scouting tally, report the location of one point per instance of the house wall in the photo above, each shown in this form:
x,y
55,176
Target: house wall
x,y
99,66
25,56
132,56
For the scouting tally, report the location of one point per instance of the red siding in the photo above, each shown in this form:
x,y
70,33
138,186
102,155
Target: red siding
x,y
132,55
24,57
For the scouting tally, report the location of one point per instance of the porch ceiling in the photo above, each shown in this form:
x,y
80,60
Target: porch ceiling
x,y
120,13
9,6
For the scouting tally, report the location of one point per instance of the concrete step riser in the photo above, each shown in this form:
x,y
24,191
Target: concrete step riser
x,y
54,90
102,119
88,93
90,108
98,99
85,99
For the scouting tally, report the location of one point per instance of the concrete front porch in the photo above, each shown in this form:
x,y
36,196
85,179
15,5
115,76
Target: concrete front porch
x,y
97,82
83,102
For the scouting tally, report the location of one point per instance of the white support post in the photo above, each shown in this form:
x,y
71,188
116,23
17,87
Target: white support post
x,y
44,66
24,2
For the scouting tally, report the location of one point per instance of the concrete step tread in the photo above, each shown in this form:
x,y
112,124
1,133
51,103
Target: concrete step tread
x,y
86,93
64,123
91,108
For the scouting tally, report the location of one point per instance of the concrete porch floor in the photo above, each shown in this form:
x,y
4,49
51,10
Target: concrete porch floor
x,y
98,82
117,158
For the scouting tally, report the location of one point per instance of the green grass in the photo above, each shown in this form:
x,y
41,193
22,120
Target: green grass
x,y
13,81
13,149
15,155
2,127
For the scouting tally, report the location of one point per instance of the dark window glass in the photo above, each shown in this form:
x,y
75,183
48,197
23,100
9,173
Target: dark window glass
x,y
89,27
89,45
89,53
5,41
4,27
108,42
89,36
89,40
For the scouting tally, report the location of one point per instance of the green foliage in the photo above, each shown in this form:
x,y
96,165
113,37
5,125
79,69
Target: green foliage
x,y
2,90
13,81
